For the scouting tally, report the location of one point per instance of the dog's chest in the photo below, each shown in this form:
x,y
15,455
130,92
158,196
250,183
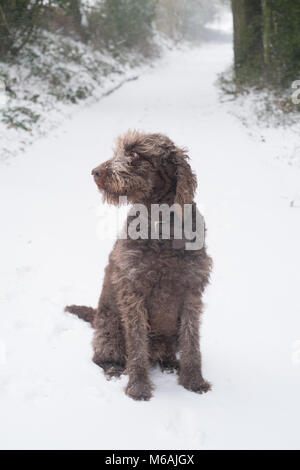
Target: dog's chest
x,y
166,294
162,270
163,277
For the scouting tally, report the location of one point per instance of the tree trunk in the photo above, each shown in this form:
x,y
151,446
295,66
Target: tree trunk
x,y
248,40
76,9
282,41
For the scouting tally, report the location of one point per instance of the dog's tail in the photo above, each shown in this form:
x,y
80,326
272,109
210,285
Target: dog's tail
x,y
85,313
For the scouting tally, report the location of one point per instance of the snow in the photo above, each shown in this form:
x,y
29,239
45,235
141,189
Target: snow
x,y
50,79
51,394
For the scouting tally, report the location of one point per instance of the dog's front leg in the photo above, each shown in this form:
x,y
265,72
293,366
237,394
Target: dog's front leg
x,y
135,319
190,368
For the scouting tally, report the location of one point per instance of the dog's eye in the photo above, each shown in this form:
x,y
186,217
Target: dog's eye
x,y
134,155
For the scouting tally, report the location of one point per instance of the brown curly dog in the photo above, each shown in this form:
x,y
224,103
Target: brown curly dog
x,y
151,300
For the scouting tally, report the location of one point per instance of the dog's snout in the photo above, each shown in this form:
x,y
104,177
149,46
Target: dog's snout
x,y
96,172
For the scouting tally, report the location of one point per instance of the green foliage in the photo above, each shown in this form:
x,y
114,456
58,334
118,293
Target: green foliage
x,y
122,24
248,40
267,41
18,22
43,80
115,24
74,10
282,40
20,117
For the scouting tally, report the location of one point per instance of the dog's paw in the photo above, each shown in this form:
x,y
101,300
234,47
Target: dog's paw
x,y
114,370
139,390
195,383
110,369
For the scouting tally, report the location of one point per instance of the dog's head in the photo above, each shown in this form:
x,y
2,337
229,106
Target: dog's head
x,y
146,168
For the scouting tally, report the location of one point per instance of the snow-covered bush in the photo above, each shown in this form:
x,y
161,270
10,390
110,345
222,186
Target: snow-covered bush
x,y
45,79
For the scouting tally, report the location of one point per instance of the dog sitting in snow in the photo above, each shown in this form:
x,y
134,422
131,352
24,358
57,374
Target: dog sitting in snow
x,y
151,301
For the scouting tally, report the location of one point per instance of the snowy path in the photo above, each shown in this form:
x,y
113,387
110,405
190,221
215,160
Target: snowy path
x,y
51,394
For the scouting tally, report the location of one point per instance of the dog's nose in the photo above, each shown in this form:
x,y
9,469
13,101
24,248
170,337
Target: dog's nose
x,y
96,172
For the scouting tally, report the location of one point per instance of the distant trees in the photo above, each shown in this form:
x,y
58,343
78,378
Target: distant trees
x,y
266,41
18,21
117,24
183,19
122,24
74,10
167,17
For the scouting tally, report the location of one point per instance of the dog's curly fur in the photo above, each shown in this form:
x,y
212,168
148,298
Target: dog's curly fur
x,y
151,300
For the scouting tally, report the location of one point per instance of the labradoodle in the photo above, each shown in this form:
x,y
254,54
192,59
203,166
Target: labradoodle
x,y
151,302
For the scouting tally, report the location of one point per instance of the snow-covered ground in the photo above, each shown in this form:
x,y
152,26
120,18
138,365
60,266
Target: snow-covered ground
x,y
51,394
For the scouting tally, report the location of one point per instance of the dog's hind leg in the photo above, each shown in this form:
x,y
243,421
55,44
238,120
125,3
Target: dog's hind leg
x,y
109,338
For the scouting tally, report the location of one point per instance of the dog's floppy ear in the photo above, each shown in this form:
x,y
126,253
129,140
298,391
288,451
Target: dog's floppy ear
x,y
186,183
